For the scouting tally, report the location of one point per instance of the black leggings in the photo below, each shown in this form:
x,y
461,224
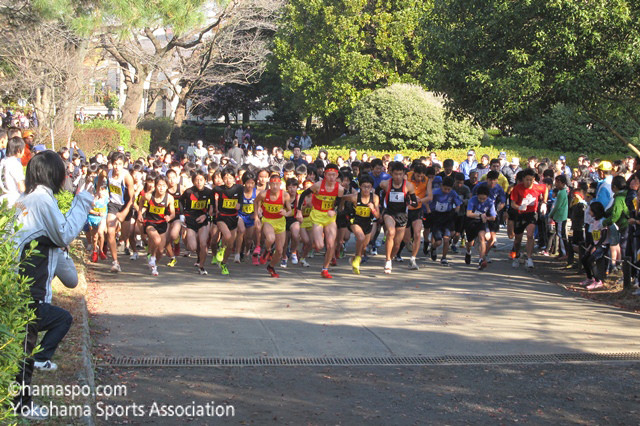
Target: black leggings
x,y
589,262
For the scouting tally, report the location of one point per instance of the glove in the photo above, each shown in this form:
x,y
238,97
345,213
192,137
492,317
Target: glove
x,y
183,221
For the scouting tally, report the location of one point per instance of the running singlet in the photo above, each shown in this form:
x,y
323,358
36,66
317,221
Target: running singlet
x,y
325,200
176,200
247,204
195,203
363,211
396,199
271,208
156,212
421,189
228,199
116,188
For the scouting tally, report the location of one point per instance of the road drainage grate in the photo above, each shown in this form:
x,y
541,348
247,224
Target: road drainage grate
x,y
124,361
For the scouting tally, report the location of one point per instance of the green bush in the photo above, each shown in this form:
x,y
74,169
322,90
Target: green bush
x,y
64,198
140,142
405,116
567,129
160,128
92,141
123,131
106,135
15,313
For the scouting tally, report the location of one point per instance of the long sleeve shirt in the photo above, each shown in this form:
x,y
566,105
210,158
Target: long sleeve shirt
x,y
560,210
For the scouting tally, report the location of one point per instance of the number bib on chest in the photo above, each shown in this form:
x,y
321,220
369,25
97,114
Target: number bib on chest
x,y
363,211
272,208
199,205
442,207
156,210
247,208
229,203
396,197
115,189
596,235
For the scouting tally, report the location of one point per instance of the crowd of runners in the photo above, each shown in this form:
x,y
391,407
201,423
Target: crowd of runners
x,y
241,205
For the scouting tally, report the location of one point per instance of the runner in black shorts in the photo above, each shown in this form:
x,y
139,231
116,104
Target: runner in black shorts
x,y
230,199
398,195
366,208
156,208
195,205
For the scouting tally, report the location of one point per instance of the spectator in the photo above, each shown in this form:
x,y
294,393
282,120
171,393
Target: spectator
x,y
297,157
240,134
278,160
604,195
53,232
11,172
3,143
353,156
469,164
228,134
305,141
76,150
200,151
27,136
566,170
512,170
483,168
323,156
236,153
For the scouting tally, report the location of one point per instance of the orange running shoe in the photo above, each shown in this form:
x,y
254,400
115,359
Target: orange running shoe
x,y
325,274
272,271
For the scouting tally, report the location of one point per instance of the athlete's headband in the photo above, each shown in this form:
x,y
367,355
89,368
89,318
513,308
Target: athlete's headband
x,y
335,169
275,179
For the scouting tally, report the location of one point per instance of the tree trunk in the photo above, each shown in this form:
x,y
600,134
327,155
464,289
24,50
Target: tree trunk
x,y
227,119
153,106
180,114
246,116
307,125
133,102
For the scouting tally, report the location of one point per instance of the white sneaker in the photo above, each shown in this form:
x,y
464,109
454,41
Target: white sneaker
x,y
45,365
304,262
134,255
90,248
236,258
115,267
529,263
387,267
154,271
312,253
34,412
203,271
413,265
294,258
283,263
515,263
488,259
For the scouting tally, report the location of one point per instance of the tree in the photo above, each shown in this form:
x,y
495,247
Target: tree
x,y
332,52
502,61
228,100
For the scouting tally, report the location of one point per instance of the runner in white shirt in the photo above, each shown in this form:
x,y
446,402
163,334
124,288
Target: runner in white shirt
x,y
12,172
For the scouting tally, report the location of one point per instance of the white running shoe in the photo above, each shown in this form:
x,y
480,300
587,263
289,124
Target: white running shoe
x,y
413,265
154,271
304,262
115,267
203,271
236,258
283,263
387,267
488,259
515,263
134,255
294,258
45,365
529,263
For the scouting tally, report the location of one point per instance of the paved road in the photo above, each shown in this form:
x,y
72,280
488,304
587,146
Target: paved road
x,y
433,311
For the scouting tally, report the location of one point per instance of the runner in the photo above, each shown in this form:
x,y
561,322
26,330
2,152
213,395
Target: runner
x,y
366,208
423,189
97,220
444,206
274,204
175,229
246,224
326,197
499,198
398,195
345,213
195,206
306,226
525,198
119,211
156,211
293,226
481,211
230,198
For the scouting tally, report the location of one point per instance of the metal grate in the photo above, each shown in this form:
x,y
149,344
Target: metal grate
x,y
365,361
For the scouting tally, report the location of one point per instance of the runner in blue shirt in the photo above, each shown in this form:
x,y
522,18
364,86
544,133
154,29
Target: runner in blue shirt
x,y
481,211
499,198
444,205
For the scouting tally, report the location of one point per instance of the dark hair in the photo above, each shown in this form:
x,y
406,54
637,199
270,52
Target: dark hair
x,y
598,209
356,163
483,190
157,163
376,162
494,161
447,163
619,182
332,166
319,164
162,178
45,168
420,168
548,173
583,186
137,167
345,173
93,168
171,171
117,156
292,182
430,171
447,181
528,172
14,146
396,166
547,181
289,166
228,171
301,169
493,175
365,178
459,176
562,179
249,175
151,176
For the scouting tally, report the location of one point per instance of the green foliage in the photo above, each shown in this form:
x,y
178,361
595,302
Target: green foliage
x,y
106,135
569,129
332,52
407,117
15,313
64,198
502,60
160,128
125,134
267,135
140,141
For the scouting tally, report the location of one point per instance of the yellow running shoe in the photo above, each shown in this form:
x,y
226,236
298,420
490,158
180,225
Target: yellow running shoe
x,y
355,264
220,254
172,263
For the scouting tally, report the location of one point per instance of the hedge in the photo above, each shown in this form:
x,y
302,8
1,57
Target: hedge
x,y
106,135
14,312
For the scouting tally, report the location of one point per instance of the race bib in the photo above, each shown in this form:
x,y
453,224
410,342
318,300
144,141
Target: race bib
x,y
272,208
199,205
100,209
229,203
115,189
307,211
363,211
156,210
596,235
442,207
176,204
396,197
247,208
